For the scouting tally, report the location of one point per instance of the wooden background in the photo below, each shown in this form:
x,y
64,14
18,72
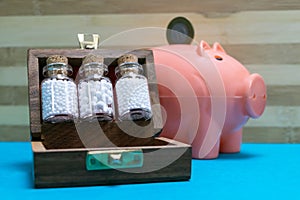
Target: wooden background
x,y
262,34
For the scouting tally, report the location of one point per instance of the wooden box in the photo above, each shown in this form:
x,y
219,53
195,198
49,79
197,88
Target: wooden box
x,y
101,153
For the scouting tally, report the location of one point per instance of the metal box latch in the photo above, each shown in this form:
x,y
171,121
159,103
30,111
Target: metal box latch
x,y
88,41
114,159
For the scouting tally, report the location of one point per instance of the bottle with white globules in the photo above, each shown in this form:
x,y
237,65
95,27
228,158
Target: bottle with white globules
x,y
132,91
95,90
59,92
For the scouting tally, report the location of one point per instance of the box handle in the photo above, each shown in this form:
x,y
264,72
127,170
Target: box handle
x,y
114,159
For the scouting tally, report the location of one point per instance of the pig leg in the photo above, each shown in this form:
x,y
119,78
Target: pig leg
x,y
231,142
214,153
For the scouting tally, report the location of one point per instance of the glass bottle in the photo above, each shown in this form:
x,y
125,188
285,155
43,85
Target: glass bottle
x,y
59,92
95,90
132,90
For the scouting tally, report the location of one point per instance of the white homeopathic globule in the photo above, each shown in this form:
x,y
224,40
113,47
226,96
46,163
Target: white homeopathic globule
x,y
59,91
132,90
133,95
59,100
95,90
96,98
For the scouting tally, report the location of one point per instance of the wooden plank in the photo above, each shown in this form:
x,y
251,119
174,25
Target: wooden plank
x,y
276,54
11,56
277,74
14,133
255,27
274,74
14,115
254,56
40,7
13,76
42,29
277,116
283,95
269,135
296,135
14,95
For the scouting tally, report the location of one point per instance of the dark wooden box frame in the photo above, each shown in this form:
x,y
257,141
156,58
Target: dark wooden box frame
x,y
60,152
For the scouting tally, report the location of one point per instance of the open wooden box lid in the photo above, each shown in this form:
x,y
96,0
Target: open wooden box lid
x,y
82,134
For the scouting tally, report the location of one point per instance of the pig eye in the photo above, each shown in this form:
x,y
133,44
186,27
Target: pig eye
x,y
218,58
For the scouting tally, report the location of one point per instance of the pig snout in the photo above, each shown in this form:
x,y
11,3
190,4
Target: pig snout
x,y
256,96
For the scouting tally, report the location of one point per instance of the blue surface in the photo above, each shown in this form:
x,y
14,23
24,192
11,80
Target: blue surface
x,y
260,171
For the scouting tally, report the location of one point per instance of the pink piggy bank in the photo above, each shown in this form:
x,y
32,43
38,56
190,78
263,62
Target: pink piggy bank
x,y
206,97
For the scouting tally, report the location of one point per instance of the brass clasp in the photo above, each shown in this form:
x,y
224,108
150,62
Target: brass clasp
x,y
88,41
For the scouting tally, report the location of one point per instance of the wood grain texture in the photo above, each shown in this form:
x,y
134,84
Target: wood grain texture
x,y
14,115
269,135
252,55
295,136
263,35
70,166
14,133
277,116
54,132
282,81
56,7
288,95
13,76
277,75
254,27
275,54
97,134
14,95
62,168
10,56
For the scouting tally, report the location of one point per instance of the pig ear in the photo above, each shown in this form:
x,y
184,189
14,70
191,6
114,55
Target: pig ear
x,y
203,47
218,47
